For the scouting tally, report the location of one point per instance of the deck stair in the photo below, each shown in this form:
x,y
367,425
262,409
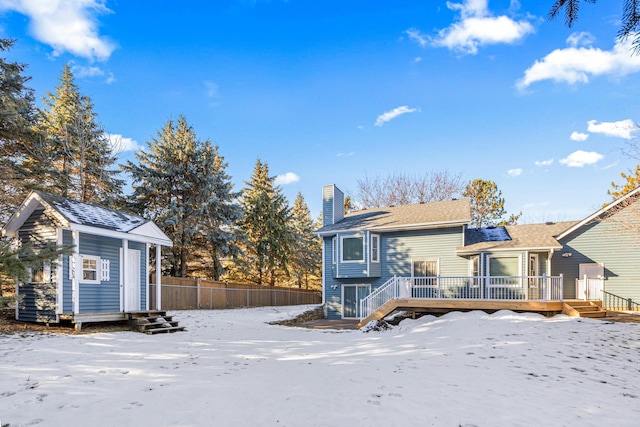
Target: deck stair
x,y
579,308
153,322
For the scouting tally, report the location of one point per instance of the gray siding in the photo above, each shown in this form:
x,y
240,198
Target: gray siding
x,y
332,205
609,243
105,296
400,248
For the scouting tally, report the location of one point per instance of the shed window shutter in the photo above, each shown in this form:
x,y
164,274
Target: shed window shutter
x,y
104,270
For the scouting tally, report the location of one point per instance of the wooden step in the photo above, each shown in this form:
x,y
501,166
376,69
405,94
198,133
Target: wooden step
x,y
153,323
588,309
164,330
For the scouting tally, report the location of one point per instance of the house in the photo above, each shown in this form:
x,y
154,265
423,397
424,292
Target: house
x,y
106,273
428,251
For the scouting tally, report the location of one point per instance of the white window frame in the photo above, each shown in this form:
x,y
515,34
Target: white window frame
x,y
375,237
518,257
436,260
96,259
342,260
334,250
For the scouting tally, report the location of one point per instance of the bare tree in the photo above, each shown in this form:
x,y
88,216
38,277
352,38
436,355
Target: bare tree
x,y
403,189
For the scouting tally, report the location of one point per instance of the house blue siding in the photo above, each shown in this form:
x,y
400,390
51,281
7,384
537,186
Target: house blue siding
x,y
143,271
105,296
397,251
611,243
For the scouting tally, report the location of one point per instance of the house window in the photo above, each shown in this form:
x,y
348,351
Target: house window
x,y
426,268
504,266
375,248
474,266
334,250
90,272
352,249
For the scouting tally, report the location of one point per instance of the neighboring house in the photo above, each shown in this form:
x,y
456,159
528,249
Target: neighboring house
x,y
363,250
105,276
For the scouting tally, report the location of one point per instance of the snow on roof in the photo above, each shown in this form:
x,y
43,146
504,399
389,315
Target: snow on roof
x,y
95,216
487,234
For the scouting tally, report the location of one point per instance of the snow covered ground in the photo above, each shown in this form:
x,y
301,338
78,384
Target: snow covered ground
x,y
232,369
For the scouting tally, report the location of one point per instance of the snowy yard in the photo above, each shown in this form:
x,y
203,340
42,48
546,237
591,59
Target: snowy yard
x,y
232,369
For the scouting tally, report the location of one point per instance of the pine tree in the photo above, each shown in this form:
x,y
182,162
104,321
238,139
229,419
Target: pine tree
x,y
221,210
265,225
487,204
182,185
306,257
17,117
75,158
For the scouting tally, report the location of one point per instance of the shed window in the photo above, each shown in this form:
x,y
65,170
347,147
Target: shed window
x,y
352,249
90,272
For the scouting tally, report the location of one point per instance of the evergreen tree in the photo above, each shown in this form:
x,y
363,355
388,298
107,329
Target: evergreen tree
x,y
221,211
487,204
265,225
181,184
17,117
306,257
75,158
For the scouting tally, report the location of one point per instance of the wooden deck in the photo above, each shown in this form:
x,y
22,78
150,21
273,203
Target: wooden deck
x,y
549,308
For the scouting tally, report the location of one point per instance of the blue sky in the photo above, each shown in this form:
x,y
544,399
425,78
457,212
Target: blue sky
x,y
334,91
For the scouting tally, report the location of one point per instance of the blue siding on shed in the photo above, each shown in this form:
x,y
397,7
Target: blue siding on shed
x,y
67,286
38,300
105,296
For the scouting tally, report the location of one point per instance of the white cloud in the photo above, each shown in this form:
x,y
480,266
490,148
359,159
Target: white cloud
x,y
66,25
211,89
620,129
120,144
479,27
515,172
577,136
390,115
287,178
580,158
345,154
110,78
417,36
82,71
548,162
577,63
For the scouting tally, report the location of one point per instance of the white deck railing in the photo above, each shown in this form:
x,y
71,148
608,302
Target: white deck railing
x,y
509,288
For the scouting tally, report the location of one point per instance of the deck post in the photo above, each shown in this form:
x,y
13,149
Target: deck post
x,y
158,278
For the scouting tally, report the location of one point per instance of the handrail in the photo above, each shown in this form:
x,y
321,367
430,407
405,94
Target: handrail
x,y
532,288
612,301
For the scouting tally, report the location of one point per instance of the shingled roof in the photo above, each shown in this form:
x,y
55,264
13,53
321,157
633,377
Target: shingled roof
x,y
90,215
525,236
84,217
419,216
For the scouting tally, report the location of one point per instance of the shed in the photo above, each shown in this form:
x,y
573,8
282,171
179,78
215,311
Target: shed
x,y
105,276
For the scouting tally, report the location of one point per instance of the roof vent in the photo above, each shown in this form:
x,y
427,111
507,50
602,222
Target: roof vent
x,y
549,223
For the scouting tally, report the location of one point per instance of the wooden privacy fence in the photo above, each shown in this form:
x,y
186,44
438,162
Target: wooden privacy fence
x,y
189,294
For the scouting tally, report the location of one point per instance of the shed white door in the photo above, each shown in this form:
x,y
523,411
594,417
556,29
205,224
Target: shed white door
x,y
132,281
